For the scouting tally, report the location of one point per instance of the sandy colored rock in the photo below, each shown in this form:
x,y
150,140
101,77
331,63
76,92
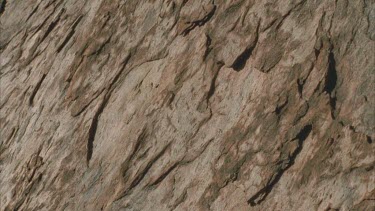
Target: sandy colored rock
x,y
187,105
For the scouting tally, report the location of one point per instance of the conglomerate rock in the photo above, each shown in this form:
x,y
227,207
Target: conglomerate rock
x,y
187,105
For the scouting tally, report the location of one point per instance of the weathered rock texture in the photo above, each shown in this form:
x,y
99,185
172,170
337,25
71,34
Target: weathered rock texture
x,y
187,105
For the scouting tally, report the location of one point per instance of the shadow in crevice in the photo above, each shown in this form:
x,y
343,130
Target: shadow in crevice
x,y
261,195
331,78
2,6
241,60
331,81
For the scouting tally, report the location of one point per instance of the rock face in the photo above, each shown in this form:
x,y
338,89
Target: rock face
x,y
187,105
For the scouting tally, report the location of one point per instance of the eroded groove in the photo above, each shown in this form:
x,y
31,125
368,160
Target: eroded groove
x,y
51,26
261,195
43,23
33,12
212,89
50,3
36,89
289,12
302,111
143,173
208,47
182,198
10,137
116,78
300,84
141,138
101,47
95,120
200,22
204,147
301,81
80,111
165,174
93,128
70,34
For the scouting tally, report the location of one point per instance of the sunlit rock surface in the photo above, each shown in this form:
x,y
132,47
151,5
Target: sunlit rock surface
x,y
187,105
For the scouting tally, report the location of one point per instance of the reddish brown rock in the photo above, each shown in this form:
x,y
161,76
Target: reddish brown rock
x,y
187,105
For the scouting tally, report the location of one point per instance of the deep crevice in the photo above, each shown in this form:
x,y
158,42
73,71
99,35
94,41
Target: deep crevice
x,y
241,60
33,12
51,27
140,176
208,47
332,103
369,140
139,142
302,135
93,128
331,81
36,89
199,23
94,124
300,84
70,34
261,195
182,198
2,7
101,47
83,108
316,52
331,78
289,12
165,174
279,108
212,89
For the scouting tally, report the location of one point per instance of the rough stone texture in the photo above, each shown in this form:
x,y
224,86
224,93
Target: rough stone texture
x,y
187,105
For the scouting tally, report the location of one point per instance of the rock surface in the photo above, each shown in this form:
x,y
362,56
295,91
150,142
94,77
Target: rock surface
x,y
187,105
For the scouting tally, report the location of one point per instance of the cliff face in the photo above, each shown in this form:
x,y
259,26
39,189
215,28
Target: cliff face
x,y
187,105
